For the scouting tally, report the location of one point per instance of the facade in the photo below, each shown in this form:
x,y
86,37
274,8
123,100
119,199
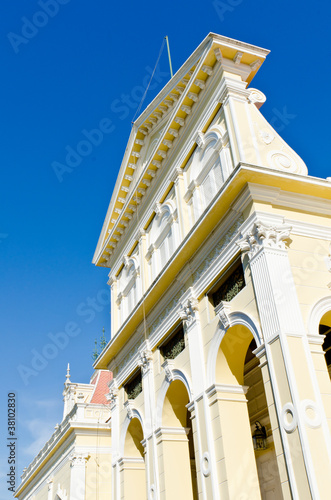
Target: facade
x,y
215,383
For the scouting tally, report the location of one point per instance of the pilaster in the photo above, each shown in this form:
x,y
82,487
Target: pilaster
x,y
301,419
234,453
142,242
77,475
183,217
112,282
145,361
112,397
202,435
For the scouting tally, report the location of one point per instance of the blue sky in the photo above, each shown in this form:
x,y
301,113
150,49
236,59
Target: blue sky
x,y
60,79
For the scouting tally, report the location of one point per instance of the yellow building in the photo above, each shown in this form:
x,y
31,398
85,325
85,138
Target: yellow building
x,y
218,244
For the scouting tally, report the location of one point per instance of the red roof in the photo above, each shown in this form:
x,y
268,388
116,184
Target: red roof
x,y
101,382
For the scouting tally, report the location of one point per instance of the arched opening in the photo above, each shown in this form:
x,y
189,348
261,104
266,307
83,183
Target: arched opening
x,y
325,329
178,477
266,460
132,466
241,403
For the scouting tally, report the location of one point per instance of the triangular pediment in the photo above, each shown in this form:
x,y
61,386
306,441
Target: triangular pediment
x,y
156,130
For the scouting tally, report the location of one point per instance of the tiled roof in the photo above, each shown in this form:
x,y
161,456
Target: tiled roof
x,y
101,382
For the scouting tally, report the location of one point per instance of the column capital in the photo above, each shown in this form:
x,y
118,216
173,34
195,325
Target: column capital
x,y
145,357
168,367
128,405
112,396
264,236
232,88
78,459
176,175
223,310
188,312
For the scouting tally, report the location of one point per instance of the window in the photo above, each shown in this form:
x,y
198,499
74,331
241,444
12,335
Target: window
x,y
129,288
163,238
209,168
134,387
230,285
173,346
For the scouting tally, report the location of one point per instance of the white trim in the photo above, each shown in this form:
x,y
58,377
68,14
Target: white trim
x,y
235,318
178,375
125,426
316,313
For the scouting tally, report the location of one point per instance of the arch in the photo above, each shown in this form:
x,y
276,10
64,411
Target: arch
x,y
176,441
235,318
207,152
177,375
163,218
127,421
318,310
130,270
133,479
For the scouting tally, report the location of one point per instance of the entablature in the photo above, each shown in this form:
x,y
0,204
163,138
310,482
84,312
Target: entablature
x,y
234,196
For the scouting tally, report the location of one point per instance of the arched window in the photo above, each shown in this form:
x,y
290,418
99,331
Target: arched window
x,y
129,288
163,238
209,169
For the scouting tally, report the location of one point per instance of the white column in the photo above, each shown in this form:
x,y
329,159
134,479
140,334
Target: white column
x,y
50,489
199,406
183,219
151,462
112,397
77,476
301,418
114,318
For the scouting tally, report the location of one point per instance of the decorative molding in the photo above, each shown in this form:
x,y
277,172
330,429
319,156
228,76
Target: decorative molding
x,y
212,256
168,366
61,493
200,139
237,57
187,313
128,405
112,396
264,236
222,310
313,422
288,417
256,97
145,358
266,136
280,160
78,459
205,464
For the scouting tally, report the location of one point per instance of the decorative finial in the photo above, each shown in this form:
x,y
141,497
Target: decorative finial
x,y
68,375
95,353
103,341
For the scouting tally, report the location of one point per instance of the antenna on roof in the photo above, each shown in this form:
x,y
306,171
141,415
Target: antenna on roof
x,y
146,90
169,56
